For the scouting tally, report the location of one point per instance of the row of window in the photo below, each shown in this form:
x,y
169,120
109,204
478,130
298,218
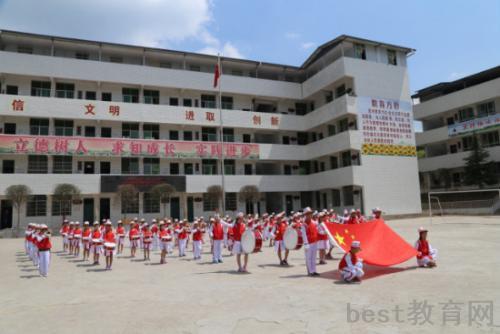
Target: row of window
x,y
466,114
360,53
486,139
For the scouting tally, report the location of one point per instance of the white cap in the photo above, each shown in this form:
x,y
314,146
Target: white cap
x,y
77,223
377,209
422,229
108,223
43,226
307,210
96,223
240,215
356,244
86,223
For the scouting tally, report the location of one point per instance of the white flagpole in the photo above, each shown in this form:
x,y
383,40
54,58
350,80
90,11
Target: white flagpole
x,y
221,138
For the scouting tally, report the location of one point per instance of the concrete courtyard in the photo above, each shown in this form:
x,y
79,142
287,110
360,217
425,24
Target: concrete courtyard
x,y
185,296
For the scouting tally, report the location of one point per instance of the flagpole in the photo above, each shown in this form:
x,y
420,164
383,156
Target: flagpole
x,y
221,139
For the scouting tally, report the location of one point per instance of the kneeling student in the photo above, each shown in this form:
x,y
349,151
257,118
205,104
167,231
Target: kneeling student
x,y
426,256
350,267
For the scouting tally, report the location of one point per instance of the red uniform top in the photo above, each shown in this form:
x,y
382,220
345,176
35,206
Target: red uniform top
x,y
147,235
70,232
183,234
154,229
35,238
218,231
198,234
64,229
352,220
164,233
422,248
280,231
323,235
344,263
238,230
86,233
120,230
109,236
133,232
77,231
44,243
96,234
311,231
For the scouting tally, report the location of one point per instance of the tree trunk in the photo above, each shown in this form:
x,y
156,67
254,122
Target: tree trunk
x,y
18,221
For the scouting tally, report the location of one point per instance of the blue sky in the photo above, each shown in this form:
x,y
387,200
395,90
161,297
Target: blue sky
x,y
453,38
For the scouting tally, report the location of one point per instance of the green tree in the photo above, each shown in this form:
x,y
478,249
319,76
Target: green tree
x,y
67,194
478,170
18,194
162,192
127,195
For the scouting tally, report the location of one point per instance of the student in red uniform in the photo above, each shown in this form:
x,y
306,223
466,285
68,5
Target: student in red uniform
x,y
70,236
154,230
109,237
147,240
323,244
360,217
120,237
133,235
183,234
96,243
198,232
77,239
165,238
377,215
44,245
353,219
86,240
238,229
278,232
34,243
64,232
310,237
426,256
217,235
351,267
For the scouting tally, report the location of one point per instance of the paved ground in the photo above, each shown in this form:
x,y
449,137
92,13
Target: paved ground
x,y
184,296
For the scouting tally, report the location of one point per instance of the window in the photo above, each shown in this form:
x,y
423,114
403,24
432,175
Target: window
x,y
392,58
346,159
63,127
229,167
247,138
238,73
348,195
208,134
105,167
286,140
173,101
187,102
188,135
151,203
466,114
39,126
248,169
485,109
11,90
151,96
188,169
8,167
130,95
336,197
209,203
453,149
165,65
174,135
38,164
231,202
227,102
90,131
287,169
359,51
174,168
131,206
208,101
467,143
228,135
343,125
106,132
90,95
65,90
130,130
9,128
40,88
195,68
116,59
82,55
339,91
130,166
151,166
24,49
490,139
334,163
61,207
106,96
62,164
36,206
321,166
209,167
151,131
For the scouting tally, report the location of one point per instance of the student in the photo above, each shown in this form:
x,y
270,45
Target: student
x,y
44,245
426,256
351,267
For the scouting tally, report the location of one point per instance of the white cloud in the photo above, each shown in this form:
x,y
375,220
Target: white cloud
x,y
307,45
156,23
456,75
228,50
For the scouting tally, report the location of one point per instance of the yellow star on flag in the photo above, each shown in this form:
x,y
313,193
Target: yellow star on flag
x,y
339,238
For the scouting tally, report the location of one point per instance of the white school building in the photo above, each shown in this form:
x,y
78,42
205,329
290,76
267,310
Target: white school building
x,y
334,132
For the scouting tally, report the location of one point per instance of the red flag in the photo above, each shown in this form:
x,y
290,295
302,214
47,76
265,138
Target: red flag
x,y
216,75
380,245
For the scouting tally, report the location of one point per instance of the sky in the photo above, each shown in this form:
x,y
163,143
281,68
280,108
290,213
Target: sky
x,y
453,38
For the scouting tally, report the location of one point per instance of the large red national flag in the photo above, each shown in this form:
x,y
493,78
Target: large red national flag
x,y
380,245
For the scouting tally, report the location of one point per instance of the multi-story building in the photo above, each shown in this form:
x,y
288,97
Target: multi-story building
x,y
452,113
97,115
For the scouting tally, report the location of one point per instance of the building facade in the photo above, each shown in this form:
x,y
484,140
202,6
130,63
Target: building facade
x,y
451,114
334,132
